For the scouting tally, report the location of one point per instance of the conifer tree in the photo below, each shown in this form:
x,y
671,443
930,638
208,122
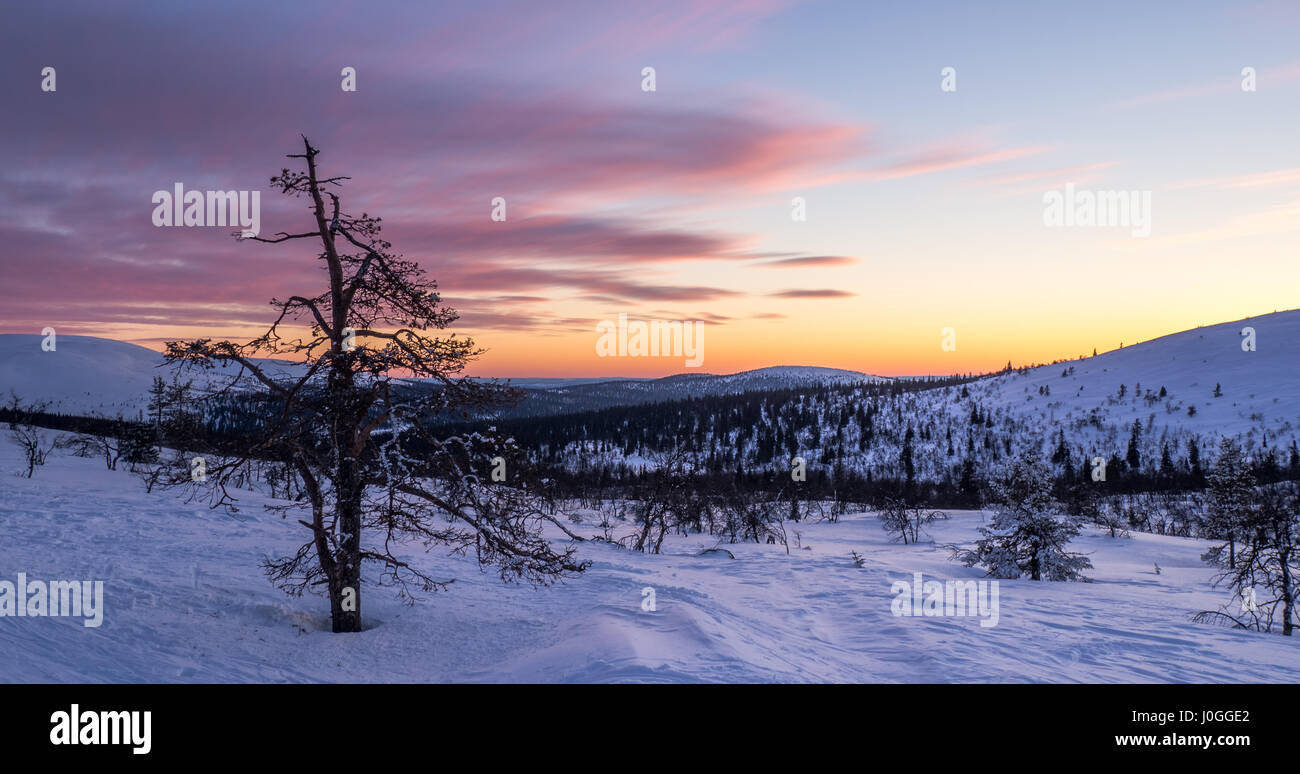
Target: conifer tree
x,y
1028,533
356,432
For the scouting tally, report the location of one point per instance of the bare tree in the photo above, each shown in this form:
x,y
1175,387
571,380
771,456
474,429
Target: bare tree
x,y
35,445
90,445
1265,574
907,522
664,500
356,431
752,513
1108,515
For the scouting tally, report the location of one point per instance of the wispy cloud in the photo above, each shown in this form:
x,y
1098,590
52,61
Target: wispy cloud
x,y
1075,173
819,293
944,159
1227,84
807,261
1232,182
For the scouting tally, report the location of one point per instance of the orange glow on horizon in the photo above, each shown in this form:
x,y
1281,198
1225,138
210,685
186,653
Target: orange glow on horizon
x,y
892,348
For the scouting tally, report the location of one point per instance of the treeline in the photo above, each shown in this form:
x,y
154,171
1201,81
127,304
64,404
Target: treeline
x,y
872,442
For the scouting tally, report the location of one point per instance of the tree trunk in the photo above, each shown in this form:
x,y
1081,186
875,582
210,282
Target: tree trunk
x,y
1288,594
345,597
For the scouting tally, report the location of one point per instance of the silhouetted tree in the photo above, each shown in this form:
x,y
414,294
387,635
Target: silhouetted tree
x,y
356,435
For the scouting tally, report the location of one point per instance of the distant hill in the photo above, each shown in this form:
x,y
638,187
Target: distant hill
x,y
104,377
568,398
1182,391
1094,401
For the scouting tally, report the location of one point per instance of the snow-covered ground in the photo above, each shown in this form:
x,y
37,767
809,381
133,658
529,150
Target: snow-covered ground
x,y
186,602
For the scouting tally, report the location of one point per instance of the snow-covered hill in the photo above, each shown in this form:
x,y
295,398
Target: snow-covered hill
x,y
780,377
185,601
90,376
1167,386
570,398
1260,389
83,375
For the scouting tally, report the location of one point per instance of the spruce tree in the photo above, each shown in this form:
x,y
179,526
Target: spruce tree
x,y
1029,532
1134,457
1231,485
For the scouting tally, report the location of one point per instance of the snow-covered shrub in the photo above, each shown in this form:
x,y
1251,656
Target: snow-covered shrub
x,y
1028,533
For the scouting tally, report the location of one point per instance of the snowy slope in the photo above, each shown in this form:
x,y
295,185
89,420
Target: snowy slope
x,y
1264,383
84,374
185,602
1259,403
1093,402
87,375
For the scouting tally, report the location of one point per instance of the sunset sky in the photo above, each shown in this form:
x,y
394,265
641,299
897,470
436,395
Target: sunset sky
x,y
924,207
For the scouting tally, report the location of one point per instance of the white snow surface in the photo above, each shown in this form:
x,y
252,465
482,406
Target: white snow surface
x,y
1261,388
186,602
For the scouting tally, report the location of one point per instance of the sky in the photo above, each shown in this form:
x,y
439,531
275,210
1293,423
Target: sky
x,y
923,248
